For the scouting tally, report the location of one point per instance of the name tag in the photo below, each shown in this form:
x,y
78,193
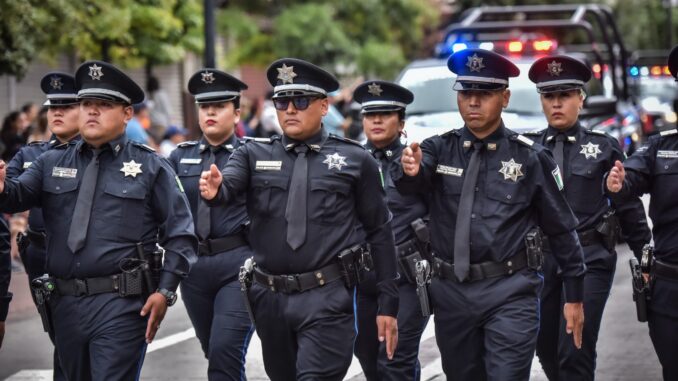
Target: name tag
x,y
188,160
68,173
450,171
264,165
27,164
667,154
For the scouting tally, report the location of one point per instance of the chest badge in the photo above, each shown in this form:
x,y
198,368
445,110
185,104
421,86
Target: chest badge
x,y
335,161
130,168
511,170
590,150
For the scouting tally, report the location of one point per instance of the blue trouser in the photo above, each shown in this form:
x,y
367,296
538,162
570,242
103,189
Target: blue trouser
x,y
663,323
559,358
308,335
216,307
99,337
34,260
411,324
487,329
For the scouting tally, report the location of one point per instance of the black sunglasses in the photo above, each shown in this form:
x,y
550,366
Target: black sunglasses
x,y
300,103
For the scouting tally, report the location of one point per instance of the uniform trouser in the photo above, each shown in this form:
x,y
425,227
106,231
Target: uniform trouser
x,y
99,337
372,354
216,307
34,262
663,323
487,329
308,335
559,358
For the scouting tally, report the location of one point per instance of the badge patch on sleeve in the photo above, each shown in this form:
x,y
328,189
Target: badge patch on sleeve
x,y
557,178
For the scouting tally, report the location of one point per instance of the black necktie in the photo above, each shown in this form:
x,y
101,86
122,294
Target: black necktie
x,y
558,152
204,221
295,212
379,155
83,206
462,233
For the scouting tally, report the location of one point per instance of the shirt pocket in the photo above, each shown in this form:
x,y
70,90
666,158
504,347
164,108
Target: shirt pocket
x,y
268,196
330,201
505,198
584,188
127,208
189,175
59,196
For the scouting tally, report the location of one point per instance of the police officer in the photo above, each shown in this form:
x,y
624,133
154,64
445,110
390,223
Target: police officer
x,y
383,109
653,169
583,157
62,119
211,292
491,188
104,200
306,191
5,274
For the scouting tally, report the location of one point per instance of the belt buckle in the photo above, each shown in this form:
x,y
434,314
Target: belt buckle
x,y
80,287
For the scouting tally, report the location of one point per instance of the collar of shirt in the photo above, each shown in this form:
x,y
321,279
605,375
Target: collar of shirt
x,y
491,141
571,132
390,151
116,145
229,144
315,142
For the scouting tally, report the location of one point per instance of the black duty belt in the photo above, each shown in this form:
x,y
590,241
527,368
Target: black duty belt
x,y
125,284
586,238
406,248
480,271
220,245
37,239
289,284
665,270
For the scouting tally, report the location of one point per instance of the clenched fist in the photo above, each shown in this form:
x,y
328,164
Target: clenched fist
x,y
411,159
210,181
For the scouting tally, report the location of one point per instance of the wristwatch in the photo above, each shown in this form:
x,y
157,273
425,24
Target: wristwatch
x,y
170,296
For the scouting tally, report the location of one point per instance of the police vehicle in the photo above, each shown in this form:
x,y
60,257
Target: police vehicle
x,y
654,89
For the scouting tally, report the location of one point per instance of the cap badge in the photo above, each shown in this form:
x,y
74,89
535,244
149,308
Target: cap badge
x,y
207,77
286,74
475,63
374,89
55,82
554,69
95,72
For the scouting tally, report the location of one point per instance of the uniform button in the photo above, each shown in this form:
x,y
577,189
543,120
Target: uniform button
x,y
508,196
477,189
666,167
124,191
185,170
589,172
266,182
77,264
473,215
58,187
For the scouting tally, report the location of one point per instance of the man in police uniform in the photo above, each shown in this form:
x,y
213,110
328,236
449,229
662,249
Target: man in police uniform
x,y
383,109
5,275
583,157
62,119
305,192
104,198
485,289
653,169
211,292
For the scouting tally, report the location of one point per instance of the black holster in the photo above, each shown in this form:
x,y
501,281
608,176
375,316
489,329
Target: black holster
x,y
609,229
355,262
641,290
245,278
533,249
42,288
151,267
415,250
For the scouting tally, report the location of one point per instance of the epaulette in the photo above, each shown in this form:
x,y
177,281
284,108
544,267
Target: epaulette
x,y
36,143
144,146
248,139
456,131
187,144
595,132
533,133
347,140
520,138
670,132
64,145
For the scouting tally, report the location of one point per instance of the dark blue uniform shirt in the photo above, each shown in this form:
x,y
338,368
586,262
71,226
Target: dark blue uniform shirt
x,y
5,269
517,190
344,189
188,161
587,156
127,209
404,207
653,169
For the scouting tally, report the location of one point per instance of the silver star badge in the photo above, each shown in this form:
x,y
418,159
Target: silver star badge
x,y
590,150
335,161
95,72
374,89
511,170
286,74
475,63
554,68
131,168
207,77
55,82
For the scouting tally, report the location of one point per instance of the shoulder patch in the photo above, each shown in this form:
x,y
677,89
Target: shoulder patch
x,y
187,144
64,145
669,132
143,146
595,132
347,140
248,139
456,131
526,141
